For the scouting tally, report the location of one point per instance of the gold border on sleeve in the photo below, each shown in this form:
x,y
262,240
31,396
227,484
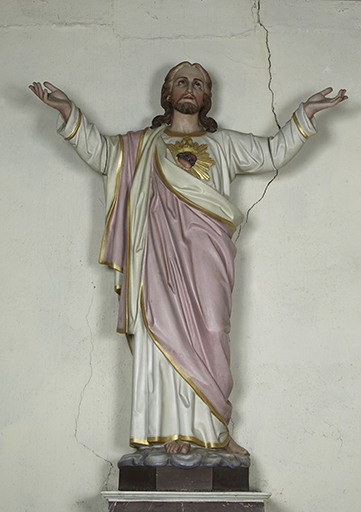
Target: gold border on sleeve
x,y
183,198
300,129
178,368
111,209
73,133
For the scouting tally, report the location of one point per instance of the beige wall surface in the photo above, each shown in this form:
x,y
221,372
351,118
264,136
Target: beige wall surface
x,y
296,351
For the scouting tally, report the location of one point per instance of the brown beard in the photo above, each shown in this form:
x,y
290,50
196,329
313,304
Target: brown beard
x,y
185,107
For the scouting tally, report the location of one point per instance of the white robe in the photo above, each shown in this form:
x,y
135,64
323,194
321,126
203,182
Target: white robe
x,y
164,406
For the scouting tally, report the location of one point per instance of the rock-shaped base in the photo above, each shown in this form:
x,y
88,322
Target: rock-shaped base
x,y
157,456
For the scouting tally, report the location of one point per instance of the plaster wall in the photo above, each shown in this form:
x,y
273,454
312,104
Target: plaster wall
x,y
65,373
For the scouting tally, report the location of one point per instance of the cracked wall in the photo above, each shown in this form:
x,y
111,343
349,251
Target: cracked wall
x,y
296,313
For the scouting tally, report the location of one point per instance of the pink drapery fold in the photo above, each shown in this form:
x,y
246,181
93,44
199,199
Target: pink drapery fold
x,y
114,244
187,277
188,280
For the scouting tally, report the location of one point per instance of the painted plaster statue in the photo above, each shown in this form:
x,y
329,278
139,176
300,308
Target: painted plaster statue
x,y
168,237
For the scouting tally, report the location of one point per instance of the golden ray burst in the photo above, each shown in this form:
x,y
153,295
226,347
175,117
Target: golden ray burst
x,y
204,161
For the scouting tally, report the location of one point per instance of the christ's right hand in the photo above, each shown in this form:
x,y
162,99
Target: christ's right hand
x,y
55,98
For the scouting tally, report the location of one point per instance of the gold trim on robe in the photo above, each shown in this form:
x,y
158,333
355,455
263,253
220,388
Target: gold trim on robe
x,y
74,132
166,439
111,209
188,201
186,378
300,129
177,134
140,147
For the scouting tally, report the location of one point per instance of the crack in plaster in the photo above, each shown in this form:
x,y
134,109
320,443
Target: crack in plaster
x,y
338,435
56,25
180,37
256,9
106,481
257,6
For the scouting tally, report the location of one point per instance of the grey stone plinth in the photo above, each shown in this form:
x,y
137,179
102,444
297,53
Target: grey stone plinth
x,y
156,456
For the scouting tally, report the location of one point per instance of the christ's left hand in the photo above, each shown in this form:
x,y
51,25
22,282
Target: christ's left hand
x,y
319,101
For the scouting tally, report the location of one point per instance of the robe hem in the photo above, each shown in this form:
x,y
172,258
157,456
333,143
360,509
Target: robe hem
x,y
150,440
112,265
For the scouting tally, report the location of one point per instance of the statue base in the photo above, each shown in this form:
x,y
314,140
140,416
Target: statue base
x,y
186,501
153,469
200,481
170,478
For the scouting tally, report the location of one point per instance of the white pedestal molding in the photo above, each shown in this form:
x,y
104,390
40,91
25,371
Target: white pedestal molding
x,y
142,501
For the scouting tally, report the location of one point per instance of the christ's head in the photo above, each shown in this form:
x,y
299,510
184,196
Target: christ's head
x,y
187,88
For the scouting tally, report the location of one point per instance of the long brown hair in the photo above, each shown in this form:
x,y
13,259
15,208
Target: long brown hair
x,y
207,122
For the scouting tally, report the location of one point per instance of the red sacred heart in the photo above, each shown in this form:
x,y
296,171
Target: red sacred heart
x,y
187,159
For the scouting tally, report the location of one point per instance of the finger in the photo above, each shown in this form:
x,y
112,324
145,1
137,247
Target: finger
x,y
340,95
38,90
50,86
343,97
326,91
41,90
338,99
34,91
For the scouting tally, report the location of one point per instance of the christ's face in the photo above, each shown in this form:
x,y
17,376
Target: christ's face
x,y
188,90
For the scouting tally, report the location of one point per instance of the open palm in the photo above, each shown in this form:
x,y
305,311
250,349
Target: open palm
x,y
319,101
56,98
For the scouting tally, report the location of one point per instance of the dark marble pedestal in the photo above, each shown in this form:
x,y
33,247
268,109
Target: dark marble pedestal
x,y
142,501
152,469
170,478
